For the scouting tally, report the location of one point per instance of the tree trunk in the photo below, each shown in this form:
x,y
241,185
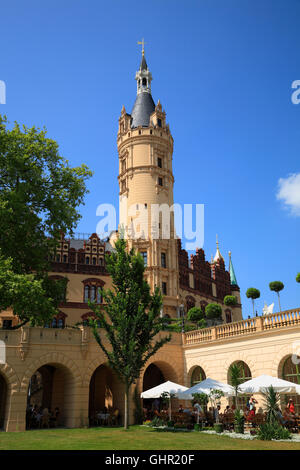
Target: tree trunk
x,y
126,407
170,411
279,301
253,306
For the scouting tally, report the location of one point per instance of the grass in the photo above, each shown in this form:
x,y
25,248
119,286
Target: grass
x,y
136,438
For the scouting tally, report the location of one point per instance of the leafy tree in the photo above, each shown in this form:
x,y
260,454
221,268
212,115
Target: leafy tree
x,y
253,294
213,311
130,318
27,296
298,277
235,379
277,286
230,300
39,196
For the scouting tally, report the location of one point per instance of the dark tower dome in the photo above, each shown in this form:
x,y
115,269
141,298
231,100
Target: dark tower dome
x,y
144,105
142,109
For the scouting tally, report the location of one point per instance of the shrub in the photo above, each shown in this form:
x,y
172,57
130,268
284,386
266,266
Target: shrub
x,y
213,311
239,421
157,421
269,431
195,314
230,300
170,424
197,427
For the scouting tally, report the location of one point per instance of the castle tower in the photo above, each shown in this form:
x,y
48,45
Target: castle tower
x,y
145,147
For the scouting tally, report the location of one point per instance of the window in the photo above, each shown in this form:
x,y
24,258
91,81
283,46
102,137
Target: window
x,y
92,293
144,82
65,258
160,181
164,288
163,260
228,316
58,258
159,162
87,260
159,122
291,372
7,324
94,260
198,376
101,262
144,256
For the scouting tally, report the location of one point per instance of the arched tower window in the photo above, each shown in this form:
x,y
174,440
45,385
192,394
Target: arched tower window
x,y
144,82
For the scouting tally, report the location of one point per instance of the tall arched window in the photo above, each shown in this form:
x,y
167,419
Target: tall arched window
x,y
198,375
86,293
92,290
245,372
291,372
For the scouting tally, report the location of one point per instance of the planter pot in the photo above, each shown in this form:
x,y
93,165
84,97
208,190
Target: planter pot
x,y
218,427
239,429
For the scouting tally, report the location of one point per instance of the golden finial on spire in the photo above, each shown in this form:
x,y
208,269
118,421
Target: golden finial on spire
x,y
217,241
142,42
229,252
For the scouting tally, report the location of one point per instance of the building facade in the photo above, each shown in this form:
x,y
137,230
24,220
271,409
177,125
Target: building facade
x,y
62,366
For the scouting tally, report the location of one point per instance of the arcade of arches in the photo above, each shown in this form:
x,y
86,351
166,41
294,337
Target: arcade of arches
x,y
82,385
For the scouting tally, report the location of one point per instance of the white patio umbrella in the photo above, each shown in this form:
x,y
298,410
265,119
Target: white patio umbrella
x,y
261,383
166,387
169,387
205,387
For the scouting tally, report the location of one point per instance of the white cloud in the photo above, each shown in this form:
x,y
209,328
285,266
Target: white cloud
x,y
289,193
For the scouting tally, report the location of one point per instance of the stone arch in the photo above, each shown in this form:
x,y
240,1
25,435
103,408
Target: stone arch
x,y
51,358
236,358
192,369
11,378
279,359
91,369
165,362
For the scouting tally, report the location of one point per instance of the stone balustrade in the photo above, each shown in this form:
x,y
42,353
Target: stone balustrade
x,y
284,319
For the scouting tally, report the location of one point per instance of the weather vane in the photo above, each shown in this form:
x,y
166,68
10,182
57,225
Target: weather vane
x,y
142,43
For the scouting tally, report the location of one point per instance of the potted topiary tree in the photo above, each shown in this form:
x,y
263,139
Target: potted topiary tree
x,y
196,315
298,277
202,399
235,379
277,286
253,294
230,300
166,398
213,312
214,396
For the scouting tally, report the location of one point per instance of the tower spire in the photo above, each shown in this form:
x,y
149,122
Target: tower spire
x,y
233,280
218,255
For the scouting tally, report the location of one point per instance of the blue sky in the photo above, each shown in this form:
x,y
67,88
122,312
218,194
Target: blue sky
x,y
223,72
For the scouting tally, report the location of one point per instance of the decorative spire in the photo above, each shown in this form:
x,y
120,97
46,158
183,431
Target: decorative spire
x,y
218,255
233,280
143,75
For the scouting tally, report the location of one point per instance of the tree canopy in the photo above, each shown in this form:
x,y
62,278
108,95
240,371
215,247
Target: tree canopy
x,y
230,300
276,286
39,196
130,318
213,311
298,277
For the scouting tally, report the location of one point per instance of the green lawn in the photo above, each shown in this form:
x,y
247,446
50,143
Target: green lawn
x,y
136,438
